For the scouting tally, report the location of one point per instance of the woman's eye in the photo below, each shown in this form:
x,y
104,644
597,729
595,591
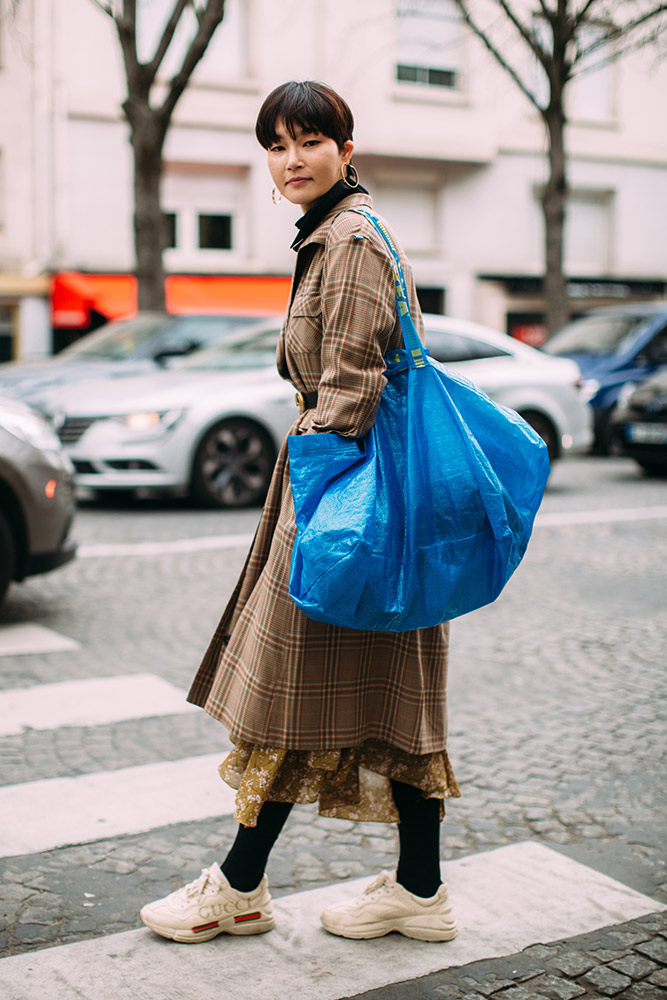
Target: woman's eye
x,y
312,142
276,149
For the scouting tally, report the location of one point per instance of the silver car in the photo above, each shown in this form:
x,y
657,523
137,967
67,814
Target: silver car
x,y
142,344
212,426
36,496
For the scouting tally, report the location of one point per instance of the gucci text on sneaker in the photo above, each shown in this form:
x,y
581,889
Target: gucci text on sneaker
x,y
385,906
209,906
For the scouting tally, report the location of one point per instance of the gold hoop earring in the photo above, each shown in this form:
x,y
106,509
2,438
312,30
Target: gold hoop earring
x,y
273,196
349,175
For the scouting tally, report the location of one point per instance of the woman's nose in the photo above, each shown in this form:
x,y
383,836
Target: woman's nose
x,y
294,159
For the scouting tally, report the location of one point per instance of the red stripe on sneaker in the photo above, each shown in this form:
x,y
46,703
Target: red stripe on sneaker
x,y
247,916
205,927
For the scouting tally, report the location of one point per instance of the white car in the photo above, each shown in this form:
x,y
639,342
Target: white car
x,y
212,426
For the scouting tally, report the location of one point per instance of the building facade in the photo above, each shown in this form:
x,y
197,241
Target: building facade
x,y
452,152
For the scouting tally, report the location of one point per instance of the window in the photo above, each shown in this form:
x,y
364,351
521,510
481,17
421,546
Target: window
x,y
169,230
6,333
450,347
431,300
215,232
588,233
206,206
411,202
429,43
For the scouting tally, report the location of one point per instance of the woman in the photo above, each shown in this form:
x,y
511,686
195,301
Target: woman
x,y
355,720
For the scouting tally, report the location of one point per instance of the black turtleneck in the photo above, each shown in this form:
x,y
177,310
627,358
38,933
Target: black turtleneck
x,y
309,222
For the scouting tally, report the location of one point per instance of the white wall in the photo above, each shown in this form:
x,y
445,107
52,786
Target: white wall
x,y
469,162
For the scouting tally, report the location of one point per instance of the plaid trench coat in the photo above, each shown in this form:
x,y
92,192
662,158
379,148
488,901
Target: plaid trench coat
x,y
270,674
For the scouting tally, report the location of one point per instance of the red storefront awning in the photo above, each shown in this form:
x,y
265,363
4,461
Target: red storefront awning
x,y
74,295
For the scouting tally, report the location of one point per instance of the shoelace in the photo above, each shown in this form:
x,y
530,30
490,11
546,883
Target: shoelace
x,y
383,881
199,885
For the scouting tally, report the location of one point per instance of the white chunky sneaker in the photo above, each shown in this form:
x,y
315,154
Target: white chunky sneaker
x,y
386,906
210,906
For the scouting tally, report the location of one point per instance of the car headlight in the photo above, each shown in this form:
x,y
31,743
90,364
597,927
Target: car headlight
x,y
589,389
32,428
150,420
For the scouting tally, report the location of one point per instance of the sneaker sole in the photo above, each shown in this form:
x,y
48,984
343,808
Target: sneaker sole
x,y
411,927
186,936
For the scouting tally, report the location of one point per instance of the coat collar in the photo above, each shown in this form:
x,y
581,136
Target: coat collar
x,y
320,234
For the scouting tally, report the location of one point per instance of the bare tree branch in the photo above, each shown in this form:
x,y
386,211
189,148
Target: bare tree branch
x,y
619,31
167,36
104,7
581,16
211,16
528,36
497,54
546,10
198,13
126,26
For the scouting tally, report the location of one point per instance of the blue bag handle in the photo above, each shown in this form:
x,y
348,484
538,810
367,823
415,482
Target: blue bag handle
x,y
415,352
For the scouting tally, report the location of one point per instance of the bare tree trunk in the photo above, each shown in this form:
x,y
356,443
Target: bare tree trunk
x,y
553,205
147,142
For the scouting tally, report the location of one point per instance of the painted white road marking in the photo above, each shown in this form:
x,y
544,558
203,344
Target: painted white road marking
x,y
19,639
42,815
505,900
162,548
558,519
95,702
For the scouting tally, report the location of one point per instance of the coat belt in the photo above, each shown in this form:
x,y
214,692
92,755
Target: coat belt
x,y
306,401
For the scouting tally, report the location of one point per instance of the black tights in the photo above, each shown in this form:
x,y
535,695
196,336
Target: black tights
x,y
418,831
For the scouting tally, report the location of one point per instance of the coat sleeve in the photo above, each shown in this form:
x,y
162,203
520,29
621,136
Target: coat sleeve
x,y
358,318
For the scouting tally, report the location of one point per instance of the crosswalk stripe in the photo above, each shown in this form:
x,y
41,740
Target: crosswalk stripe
x,y
505,900
215,542
170,545
93,702
57,812
21,639
563,518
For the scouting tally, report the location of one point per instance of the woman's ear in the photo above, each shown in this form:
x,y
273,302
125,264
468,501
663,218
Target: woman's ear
x,y
346,154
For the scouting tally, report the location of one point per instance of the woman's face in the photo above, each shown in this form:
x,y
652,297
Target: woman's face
x,y
304,168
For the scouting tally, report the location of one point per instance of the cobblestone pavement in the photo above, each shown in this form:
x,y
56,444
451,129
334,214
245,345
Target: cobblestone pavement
x,y
557,731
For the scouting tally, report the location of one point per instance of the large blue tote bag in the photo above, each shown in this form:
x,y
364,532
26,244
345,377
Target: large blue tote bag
x,y
427,516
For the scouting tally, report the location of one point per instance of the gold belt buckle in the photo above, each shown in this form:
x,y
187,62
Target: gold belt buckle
x,y
300,402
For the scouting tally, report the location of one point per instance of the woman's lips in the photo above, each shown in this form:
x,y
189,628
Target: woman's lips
x,y
298,181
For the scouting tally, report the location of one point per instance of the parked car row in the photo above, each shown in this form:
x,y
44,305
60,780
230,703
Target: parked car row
x,y
201,410
36,496
211,424
616,348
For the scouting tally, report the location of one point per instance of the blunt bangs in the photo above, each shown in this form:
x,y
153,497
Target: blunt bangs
x,y
306,105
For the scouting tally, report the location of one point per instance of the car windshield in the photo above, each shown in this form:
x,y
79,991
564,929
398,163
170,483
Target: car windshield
x,y
252,351
598,335
449,347
154,335
116,340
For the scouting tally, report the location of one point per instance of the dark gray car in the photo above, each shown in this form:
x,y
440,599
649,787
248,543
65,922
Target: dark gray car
x,y
36,496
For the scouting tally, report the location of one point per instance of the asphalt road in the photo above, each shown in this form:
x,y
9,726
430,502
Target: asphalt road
x,y
557,726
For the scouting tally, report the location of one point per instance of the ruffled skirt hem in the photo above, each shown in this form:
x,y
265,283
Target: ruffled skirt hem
x,y
352,783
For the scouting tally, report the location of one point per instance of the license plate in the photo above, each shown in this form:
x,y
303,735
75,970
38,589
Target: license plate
x,y
647,433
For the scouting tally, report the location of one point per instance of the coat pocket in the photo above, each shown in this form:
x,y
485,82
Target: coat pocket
x,y
304,330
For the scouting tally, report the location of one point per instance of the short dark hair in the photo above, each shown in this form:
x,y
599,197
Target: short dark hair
x,y
305,104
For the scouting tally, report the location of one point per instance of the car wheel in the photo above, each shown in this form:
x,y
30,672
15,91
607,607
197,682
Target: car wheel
x,y
7,555
545,429
657,469
233,465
